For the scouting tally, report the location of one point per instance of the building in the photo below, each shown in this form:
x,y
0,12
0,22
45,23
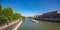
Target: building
x,y
54,14
51,16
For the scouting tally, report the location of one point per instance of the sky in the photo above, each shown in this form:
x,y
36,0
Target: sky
x,y
31,7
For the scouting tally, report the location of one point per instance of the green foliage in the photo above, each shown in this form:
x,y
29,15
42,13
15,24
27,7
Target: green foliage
x,y
16,15
8,11
7,15
3,19
0,7
23,17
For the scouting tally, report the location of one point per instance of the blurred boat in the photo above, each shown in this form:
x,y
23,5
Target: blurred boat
x,y
35,21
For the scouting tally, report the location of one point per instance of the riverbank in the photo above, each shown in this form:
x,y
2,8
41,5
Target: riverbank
x,y
18,25
10,26
48,19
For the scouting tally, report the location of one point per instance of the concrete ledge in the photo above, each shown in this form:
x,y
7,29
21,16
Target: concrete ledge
x,y
5,27
16,27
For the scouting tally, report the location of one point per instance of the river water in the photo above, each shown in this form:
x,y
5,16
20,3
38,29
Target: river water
x,y
41,25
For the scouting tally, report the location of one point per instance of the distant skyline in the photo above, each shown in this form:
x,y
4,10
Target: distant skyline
x,y
31,7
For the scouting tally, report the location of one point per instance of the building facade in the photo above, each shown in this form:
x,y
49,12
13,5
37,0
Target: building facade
x,y
54,14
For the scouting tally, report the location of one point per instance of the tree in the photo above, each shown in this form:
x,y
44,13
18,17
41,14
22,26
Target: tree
x,y
8,12
16,15
3,19
0,9
6,15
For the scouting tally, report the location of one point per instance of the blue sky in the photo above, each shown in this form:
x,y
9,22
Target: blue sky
x,y
31,7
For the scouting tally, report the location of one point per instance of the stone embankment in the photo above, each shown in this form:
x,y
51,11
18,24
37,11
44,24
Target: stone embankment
x,y
12,26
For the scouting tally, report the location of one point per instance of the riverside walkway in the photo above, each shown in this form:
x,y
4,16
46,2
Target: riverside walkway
x,y
11,26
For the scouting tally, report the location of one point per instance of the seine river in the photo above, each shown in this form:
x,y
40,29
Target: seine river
x,y
41,25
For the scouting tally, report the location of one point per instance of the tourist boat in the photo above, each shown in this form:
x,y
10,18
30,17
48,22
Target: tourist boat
x,y
35,21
